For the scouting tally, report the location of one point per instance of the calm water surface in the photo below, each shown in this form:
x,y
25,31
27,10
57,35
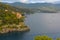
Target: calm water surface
x,y
40,24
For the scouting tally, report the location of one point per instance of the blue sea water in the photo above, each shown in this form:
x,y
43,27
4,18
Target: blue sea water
x,y
39,24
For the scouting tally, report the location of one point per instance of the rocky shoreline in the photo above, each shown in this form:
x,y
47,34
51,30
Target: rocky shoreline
x,y
7,30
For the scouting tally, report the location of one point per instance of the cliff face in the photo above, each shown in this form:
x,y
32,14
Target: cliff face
x,y
11,19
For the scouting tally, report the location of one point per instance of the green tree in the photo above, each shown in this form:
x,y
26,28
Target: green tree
x,y
42,38
57,38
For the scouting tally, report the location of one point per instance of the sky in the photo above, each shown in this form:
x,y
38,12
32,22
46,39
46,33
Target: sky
x,y
30,1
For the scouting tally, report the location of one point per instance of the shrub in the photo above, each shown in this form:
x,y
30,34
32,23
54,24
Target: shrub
x,y
43,38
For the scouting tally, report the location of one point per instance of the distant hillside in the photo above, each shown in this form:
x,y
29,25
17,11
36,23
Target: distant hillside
x,y
40,7
36,7
9,7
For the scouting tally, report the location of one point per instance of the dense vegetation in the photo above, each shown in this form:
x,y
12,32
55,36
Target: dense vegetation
x,y
44,38
8,15
10,18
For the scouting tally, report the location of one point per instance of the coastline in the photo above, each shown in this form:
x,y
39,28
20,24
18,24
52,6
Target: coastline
x,y
7,30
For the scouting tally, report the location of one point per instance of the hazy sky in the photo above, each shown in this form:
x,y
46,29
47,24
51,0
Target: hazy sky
x,y
30,1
